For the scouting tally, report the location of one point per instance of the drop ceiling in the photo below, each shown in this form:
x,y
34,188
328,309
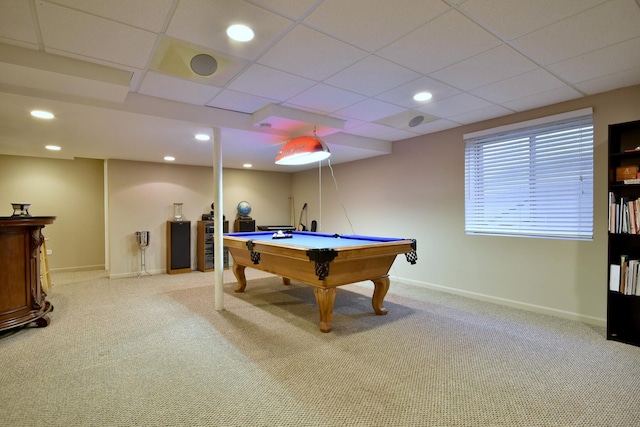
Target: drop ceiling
x,y
116,73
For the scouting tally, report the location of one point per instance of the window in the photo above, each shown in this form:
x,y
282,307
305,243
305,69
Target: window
x,y
532,179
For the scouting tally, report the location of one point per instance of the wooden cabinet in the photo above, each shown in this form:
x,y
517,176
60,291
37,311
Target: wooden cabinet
x,y
623,290
205,255
22,299
178,247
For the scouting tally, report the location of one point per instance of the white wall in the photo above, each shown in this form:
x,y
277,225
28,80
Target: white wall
x,y
141,197
418,192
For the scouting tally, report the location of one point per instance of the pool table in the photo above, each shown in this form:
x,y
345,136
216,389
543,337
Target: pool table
x,y
324,261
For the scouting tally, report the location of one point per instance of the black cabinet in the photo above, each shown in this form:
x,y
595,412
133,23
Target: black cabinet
x,y
178,247
244,225
623,289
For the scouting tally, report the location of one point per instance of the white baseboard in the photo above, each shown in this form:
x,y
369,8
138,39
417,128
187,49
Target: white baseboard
x,y
597,321
135,274
82,268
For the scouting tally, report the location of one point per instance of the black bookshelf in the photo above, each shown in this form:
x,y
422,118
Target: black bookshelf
x,y
623,294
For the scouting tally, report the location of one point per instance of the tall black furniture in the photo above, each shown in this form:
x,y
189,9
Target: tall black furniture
x,y
623,289
178,247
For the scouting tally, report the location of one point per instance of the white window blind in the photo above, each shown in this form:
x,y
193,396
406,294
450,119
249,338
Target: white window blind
x,y
533,179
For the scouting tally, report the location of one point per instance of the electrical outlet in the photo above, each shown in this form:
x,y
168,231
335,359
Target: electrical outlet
x,y
49,251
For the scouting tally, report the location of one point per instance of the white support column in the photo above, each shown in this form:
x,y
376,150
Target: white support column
x,y
319,196
218,218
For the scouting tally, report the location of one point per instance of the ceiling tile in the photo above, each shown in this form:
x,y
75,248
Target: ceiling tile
x,y
481,114
303,108
542,99
136,73
288,8
403,95
407,120
311,54
201,22
40,71
326,98
371,25
173,56
399,135
444,41
371,76
90,36
372,130
349,122
524,16
370,110
610,82
156,84
269,83
607,24
519,86
491,66
454,105
602,62
146,14
17,23
237,101
435,126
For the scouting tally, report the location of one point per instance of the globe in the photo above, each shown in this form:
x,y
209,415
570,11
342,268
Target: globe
x,y
244,208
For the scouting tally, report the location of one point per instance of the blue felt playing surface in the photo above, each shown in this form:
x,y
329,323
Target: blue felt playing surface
x,y
315,240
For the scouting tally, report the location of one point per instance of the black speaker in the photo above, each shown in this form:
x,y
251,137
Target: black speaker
x,y
245,225
180,245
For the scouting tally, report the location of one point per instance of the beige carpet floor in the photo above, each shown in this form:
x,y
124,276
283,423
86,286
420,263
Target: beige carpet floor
x,y
154,352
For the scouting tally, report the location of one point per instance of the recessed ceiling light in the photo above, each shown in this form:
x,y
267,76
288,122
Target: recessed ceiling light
x,y
422,96
202,137
42,114
247,165
169,158
240,33
52,147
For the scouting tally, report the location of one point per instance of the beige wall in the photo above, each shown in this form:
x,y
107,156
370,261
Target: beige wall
x,y
71,190
141,197
418,192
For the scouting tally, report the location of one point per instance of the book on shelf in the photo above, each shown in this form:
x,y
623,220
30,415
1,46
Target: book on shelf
x,y
624,215
614,277
624,263
625,277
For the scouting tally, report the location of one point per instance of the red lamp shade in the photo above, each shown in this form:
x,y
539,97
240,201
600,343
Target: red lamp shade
x,y
302,150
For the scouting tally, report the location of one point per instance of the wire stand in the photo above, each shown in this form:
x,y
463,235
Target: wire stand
x,y
142,238
143,268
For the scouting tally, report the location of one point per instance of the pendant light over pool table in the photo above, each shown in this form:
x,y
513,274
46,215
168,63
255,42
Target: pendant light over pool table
x,y
302,150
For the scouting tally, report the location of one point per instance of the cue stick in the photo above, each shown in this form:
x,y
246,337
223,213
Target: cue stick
x,y
292,214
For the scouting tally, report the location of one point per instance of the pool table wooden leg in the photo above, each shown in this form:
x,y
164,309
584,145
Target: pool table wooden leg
x,y
325,297
238,271
286,281
381,286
